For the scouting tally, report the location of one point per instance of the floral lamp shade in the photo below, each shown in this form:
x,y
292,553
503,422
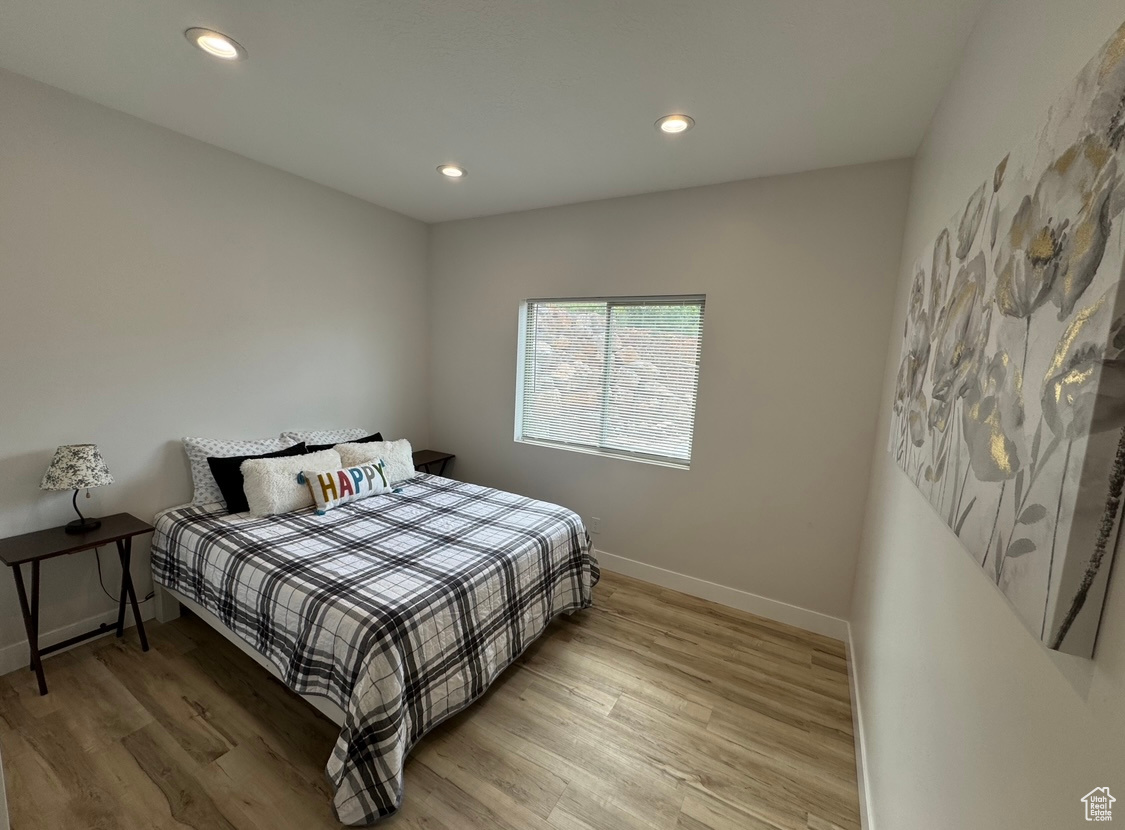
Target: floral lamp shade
x,y
76,467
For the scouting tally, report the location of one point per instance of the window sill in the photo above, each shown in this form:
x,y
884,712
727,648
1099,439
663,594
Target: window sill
x,y
620,456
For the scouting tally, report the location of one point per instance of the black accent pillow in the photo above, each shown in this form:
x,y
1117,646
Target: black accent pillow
x,y
378,436
228,475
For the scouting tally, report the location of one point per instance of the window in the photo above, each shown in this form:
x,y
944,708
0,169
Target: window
x,y
615,376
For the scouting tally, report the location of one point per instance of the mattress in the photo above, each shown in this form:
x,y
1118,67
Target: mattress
x,y
401,609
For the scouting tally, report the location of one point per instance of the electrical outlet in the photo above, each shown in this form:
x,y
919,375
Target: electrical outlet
x,y
595,525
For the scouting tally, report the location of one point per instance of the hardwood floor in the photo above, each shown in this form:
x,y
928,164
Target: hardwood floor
x,y
651,710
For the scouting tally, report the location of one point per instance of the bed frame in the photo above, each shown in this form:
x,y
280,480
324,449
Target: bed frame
x,y
168,604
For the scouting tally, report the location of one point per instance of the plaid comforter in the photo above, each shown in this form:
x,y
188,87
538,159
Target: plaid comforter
x,y
401,609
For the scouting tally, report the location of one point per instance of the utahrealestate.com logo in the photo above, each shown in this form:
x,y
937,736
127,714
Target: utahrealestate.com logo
x,y
1099,804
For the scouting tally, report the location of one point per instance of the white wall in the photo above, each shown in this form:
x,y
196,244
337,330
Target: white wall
x,y
798,272
969,722
151,287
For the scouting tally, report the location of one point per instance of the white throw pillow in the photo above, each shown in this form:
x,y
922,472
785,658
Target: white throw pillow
x,y
324,436
398,456
271,484
206,489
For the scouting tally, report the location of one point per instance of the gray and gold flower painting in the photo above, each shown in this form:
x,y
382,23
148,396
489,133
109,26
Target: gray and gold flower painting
x,y
1009,406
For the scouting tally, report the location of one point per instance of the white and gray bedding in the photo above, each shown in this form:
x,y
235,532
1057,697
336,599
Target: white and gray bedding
x,y
400,609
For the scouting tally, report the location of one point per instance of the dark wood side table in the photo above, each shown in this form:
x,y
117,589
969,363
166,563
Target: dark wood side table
x,y
424,459
16,551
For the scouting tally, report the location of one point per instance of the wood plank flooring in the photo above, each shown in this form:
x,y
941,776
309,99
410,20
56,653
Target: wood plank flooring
x,y
651,710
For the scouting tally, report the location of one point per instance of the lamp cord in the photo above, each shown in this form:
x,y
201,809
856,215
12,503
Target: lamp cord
x,y
98,557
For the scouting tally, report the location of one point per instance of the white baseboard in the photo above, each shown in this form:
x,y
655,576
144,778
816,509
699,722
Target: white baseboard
x,y
865,820
771,609
14,656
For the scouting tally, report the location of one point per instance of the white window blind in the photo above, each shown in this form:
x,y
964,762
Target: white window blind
x,y
617,376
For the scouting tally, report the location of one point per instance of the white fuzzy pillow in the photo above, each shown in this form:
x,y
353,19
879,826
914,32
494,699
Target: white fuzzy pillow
x,y
397,455
271,484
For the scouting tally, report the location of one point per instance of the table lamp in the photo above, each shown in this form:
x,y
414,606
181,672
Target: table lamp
x,y
77,467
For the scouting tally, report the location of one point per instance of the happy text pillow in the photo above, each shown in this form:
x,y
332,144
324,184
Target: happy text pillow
x,y
331,488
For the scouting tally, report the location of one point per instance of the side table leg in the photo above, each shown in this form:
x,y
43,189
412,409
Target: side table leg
x,y
123,598
34,602
30,624
125,551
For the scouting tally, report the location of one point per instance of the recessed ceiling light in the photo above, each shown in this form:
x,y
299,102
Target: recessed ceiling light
x,y
673,124
216,44
452,171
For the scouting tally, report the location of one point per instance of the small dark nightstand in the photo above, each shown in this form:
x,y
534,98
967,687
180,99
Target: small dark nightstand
x,y
47,544
424,459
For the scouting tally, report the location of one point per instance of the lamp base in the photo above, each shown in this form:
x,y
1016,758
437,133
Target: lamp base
x,y
83,525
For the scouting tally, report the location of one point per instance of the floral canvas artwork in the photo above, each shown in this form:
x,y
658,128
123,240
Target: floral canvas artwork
x,y
1009,406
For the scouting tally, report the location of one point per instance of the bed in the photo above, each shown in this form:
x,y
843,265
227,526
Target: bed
x,y
391,614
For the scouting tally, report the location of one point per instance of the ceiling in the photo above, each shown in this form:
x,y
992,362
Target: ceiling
x,y
545,102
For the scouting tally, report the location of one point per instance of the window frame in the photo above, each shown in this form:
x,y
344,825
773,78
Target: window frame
x,y
587,449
